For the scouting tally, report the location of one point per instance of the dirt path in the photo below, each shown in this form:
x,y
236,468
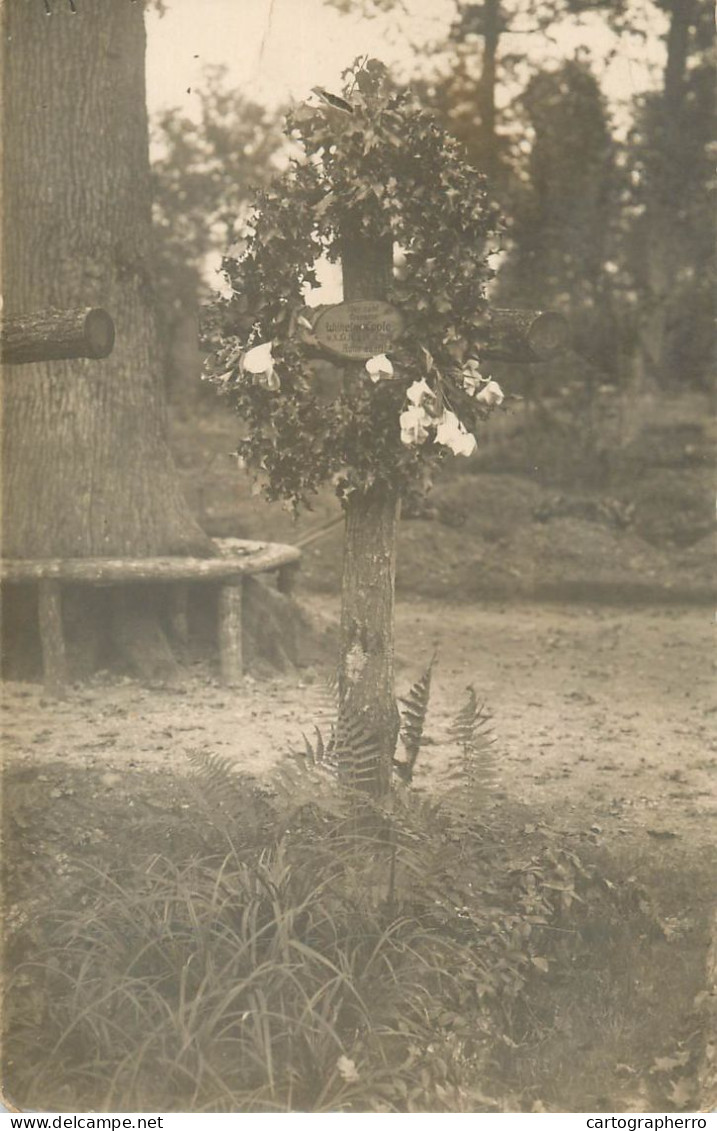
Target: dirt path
x,y
603,717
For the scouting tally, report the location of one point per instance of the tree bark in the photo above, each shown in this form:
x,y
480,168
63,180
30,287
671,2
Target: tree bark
x,y
231,657
258,557
485,93
54,661
86,466
56,335
663,245
366,677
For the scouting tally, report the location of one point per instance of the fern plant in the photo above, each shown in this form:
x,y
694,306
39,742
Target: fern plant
x,y
349,750
472,733
415,708
219,789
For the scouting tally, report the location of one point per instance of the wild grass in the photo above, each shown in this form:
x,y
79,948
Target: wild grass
x,y
273,982
303,947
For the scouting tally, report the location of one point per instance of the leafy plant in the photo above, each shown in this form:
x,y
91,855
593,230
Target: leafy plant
x,y
376,168
268,981
471,731
415,708
317,962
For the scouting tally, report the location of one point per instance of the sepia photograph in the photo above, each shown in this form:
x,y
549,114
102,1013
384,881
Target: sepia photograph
x,y
357,567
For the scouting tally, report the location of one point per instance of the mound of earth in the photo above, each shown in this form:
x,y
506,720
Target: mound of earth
x,y
494,534
500,536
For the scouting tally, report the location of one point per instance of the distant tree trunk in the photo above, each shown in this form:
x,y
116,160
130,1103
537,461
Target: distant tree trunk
x,y
485,95
663,253
86,467
366,681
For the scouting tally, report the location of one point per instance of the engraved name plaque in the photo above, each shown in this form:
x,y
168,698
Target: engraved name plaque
x,y
359,330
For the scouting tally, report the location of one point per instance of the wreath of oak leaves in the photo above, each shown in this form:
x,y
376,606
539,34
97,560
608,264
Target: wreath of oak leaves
x,y
382,169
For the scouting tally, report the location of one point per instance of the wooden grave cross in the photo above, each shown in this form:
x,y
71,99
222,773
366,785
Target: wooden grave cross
x,y
360,327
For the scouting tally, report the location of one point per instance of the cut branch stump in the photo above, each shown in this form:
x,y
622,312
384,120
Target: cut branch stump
x,y
56,335
523,335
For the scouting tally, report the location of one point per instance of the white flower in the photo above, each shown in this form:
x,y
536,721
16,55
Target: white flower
x,y
378,367
453,435
414,422
465,445
491,394
472,377
449,426
417,391
347,1070
471,368
259,359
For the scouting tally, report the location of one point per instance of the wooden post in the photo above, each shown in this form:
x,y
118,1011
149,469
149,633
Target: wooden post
x,y
523,335
366,677
56,335
52,640
230,633
178,614
286,579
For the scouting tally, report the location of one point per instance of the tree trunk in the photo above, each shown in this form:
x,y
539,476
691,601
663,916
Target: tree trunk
x,y
86,467
366,670
663,246
366,684
485,94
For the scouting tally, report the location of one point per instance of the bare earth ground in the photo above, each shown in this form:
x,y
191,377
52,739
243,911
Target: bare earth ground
x,y
604,718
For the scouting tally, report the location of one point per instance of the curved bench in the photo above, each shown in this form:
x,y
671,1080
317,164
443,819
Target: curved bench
x,y
235,560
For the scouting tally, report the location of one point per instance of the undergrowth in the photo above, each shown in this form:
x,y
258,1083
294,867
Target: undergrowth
x,y
320,951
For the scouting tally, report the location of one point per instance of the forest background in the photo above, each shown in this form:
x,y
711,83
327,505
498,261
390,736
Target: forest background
x,y
594,125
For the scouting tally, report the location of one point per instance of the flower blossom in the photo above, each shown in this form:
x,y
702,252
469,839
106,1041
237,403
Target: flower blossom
x,y
453,435
418,391
347,1070
378,367
259,361
471,368
491,395
414,424
472,376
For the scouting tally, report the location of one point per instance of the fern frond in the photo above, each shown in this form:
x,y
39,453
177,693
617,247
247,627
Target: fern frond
x,y
413,720
469,720
219,789
471,730
299,784
320,752
215,774
357,751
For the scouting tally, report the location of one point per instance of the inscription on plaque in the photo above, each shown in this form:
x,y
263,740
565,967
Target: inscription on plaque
x,y
359,330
